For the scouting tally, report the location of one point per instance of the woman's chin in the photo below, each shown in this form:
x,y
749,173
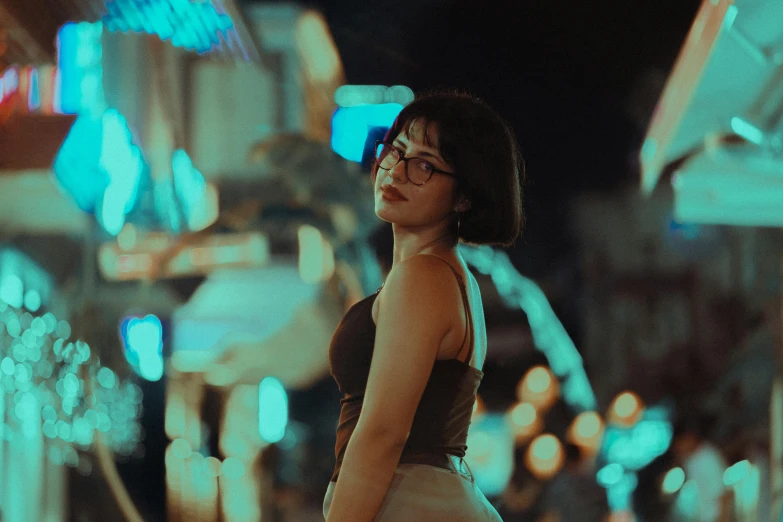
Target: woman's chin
x,y
384,213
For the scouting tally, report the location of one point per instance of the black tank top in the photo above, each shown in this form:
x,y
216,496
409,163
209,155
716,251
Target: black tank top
x,y
440,424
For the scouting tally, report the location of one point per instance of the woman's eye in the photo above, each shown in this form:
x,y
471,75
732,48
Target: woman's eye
x,y
426,167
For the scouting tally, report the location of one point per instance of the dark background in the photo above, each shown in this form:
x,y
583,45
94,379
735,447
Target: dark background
x,y
577,80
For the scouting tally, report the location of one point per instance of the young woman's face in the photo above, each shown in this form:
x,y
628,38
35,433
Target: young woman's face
x,y
422,205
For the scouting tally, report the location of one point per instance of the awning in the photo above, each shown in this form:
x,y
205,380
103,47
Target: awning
x,y
32,25
242,325
726,81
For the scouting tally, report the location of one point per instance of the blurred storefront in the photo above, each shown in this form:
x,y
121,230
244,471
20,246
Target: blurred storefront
x,y
713,153
148,139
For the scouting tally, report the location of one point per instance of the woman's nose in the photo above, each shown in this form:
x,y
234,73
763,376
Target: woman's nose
x,y
398,172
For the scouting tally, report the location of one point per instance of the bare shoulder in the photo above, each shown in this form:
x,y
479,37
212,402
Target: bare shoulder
x,y
421,277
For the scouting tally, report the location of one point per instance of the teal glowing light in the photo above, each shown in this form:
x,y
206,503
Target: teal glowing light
x,y
58,403
68,68
610,475
106,378
619,494
195,26
101,167
490,453
635,447
352,95
143,341
673,481
747,130
190,187
734,474
34,91
272,410
32,300
123,163
7,366
12,290
549,335
79,86
731,15
76,164
351,127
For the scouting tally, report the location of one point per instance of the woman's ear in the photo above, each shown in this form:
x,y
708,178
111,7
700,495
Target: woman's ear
x,y
463,204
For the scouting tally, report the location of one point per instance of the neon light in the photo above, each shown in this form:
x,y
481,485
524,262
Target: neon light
x,y
122,161
272,410
549,336
351,127
143,342
352,95
747,130
736,473
12,290
731,15
191,190
10,82
635,447
34,90
673,481
99,165
32,300
196,26
610,475
67,62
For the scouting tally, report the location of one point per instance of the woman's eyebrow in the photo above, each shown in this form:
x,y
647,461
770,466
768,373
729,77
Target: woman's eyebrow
x,y
421,153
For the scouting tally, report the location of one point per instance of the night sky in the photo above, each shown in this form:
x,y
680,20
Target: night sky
x,y
577,80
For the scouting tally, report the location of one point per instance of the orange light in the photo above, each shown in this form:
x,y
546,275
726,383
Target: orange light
x,y
587,425
586,431
539,379
523,414
544,456
626,409
524,421
538,387
626,405
545,447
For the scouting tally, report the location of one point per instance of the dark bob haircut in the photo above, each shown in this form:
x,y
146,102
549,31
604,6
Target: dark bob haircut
x,y
482,149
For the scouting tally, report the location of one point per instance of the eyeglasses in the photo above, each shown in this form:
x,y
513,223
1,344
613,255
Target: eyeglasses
x,y
417,170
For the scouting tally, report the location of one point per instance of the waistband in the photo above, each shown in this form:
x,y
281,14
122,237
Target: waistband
x,y
439,460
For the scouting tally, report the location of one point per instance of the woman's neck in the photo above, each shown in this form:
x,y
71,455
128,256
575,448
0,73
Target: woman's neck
x,y
410,245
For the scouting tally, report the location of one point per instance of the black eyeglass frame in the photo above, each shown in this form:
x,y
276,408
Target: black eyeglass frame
x,y
405,160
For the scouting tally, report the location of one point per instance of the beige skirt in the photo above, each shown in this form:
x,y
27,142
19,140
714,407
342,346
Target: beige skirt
x,y
419,492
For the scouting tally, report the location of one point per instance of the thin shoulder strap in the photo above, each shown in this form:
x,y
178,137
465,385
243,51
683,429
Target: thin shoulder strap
x,y
468,314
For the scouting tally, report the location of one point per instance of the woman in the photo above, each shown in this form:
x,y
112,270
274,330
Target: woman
x,y
408,358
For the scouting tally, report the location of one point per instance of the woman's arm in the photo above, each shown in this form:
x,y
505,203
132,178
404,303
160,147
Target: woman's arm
x,y
412,322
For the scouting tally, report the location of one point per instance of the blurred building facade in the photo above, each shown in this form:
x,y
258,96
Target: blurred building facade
x,y
190,118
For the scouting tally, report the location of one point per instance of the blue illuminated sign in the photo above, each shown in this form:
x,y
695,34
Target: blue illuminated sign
x,y
353,126
195,26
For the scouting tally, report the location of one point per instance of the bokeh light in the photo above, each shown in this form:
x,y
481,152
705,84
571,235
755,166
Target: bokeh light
x,y
673,481
626,409
586,431
538,387
272,410
609,475
736,473
524,421
544,456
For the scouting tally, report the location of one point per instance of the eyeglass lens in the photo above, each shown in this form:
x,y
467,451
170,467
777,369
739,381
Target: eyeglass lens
x,y
418,170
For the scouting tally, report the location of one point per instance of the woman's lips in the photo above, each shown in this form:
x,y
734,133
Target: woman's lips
x,y
391,198
392,194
